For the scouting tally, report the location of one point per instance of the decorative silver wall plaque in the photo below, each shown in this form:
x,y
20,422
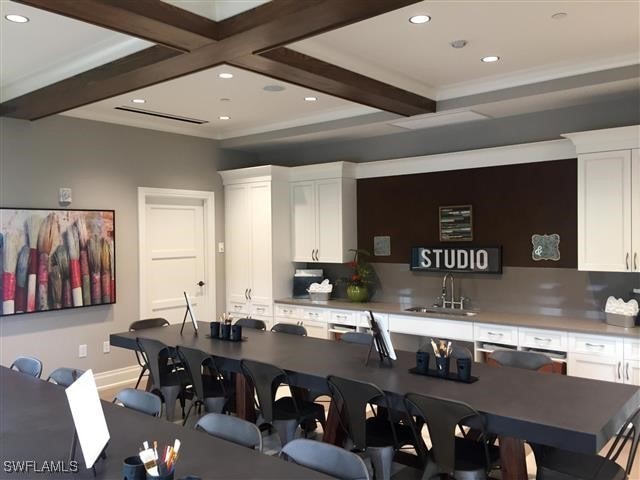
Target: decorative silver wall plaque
x,y
546,247
382,246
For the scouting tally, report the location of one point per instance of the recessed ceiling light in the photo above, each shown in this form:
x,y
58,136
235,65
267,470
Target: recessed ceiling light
x,y
490,59
559,15
418,19
310,99
273,88
458,43
16,18
138,100
224,117
225,75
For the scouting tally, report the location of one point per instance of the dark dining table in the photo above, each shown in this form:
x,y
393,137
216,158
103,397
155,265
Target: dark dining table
x,y
519,405
36,425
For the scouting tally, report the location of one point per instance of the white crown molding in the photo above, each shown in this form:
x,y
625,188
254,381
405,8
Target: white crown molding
x,y
262,173
531,76
486,157
605,140
321,171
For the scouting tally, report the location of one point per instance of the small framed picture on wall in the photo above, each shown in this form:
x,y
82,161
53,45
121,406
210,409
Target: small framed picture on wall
x,y
456,223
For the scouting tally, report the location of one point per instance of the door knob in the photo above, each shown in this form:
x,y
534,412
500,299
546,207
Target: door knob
x,y
200,283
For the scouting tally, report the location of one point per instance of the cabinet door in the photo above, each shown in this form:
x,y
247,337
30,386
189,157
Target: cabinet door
x,y
635,207
315,329
632,372
604,211
260,247
329,220
596,367
303,221
238,242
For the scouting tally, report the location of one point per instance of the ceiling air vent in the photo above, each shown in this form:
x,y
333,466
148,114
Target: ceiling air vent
x,y
151,113
438,119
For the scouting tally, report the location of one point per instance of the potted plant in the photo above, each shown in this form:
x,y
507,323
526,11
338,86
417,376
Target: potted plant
x,y
361,277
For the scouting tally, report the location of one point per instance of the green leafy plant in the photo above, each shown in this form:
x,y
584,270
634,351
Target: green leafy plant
x,y
362,272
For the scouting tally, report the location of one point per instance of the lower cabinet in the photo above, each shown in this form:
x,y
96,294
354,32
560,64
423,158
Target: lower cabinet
x,y
595,367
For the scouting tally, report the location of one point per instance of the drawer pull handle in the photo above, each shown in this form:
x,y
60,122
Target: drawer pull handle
x,y
627,260
619,375
495,334
594,345
540,339
627,371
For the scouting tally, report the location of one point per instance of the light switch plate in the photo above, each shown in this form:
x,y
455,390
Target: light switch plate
x,y
221,247
106,347
82,350
65,195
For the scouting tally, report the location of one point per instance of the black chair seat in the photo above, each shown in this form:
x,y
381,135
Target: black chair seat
x,y
564,465
284,409
470,455
379,433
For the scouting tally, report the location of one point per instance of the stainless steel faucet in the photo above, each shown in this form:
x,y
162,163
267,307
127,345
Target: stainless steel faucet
x,y
452,303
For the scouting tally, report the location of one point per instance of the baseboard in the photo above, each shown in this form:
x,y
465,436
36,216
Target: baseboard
x,y
118,377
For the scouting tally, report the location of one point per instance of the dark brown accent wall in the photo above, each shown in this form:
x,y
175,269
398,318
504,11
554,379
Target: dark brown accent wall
x,y
510,203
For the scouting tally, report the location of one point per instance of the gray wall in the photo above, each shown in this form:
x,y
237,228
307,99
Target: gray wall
x,y
103,164
533,127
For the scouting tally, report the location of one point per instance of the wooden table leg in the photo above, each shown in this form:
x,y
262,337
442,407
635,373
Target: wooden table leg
x,y
334,433
512,459
244,399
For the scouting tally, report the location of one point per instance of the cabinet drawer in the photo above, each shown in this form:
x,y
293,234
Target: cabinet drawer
x,y
486,332
315,329
431,327
313,314
287,311
545,339
237,307
261,309
595,345
631,349
343,317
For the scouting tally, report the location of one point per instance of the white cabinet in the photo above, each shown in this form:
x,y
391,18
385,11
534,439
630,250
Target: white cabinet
x,y
314,320
632,362
608,199
323,215
596,357
257,252
431,327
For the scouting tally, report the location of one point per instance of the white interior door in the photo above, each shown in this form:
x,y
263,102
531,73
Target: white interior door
x,y
329,220
303,219
175,258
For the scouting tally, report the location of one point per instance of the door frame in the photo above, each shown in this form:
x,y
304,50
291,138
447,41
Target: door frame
x,y
208,205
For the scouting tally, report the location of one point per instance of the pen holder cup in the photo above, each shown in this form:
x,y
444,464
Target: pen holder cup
x,y
236,333
166,476
442,366
464,369
422,362
133,469
225,331
215,329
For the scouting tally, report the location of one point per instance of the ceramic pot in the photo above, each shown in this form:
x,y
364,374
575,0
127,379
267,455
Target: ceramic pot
x,y
357,293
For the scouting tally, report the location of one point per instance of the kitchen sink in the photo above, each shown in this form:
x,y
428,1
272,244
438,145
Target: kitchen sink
x,y
442,311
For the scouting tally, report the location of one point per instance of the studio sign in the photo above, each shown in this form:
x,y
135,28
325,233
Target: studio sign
x,y
457,259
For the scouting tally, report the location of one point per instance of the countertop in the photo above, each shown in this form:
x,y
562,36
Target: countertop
x,y
576,325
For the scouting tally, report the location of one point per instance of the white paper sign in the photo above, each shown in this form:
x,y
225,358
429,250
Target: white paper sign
x,y
88,417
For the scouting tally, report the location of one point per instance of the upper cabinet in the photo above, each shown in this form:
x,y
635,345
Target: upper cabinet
x,y
608,199
323,213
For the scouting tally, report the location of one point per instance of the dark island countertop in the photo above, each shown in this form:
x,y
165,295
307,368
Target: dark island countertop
x,y
567,324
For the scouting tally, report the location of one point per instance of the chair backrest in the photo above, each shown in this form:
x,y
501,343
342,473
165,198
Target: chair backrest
x,y
140,401
354,396
265,378
360,338
458,351
290,328
28,365
325,458
232,429
630,431
518,359
194,360
251,323
64,376
158,355
442,416
148,323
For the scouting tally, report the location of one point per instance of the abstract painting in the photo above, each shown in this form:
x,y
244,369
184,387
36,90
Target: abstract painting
x,y
56,259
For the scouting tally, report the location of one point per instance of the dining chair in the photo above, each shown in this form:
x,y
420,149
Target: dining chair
x,y
556,464
251,323
289,328
209,389
140,401
452,455
168,381
232,429
325,458
520,359
286,413
28,365
64,376
360,338
379,437
141,325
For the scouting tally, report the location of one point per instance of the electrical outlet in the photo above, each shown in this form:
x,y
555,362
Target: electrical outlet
x,y
82,350
220,247
106,347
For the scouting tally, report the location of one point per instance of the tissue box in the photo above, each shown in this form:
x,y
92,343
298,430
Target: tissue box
x,y
626,321
319,296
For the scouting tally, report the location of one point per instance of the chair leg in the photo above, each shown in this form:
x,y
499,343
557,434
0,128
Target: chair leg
x,y
186,417
144,369
286,430
170,395
382,459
